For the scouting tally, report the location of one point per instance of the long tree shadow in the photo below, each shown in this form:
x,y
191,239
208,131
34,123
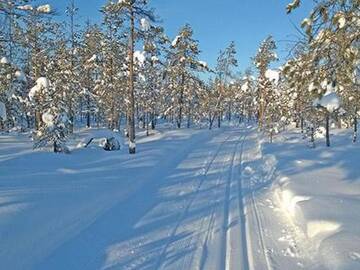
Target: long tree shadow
x,y
138,232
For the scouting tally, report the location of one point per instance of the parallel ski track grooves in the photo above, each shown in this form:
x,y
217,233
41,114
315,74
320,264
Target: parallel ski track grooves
x,y
260,232
184,214
226,222
242,217
260,226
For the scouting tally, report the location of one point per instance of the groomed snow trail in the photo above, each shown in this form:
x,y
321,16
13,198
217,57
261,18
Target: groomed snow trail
x,y
189,200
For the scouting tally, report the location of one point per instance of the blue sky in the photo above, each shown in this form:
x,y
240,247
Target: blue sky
x,y
217,22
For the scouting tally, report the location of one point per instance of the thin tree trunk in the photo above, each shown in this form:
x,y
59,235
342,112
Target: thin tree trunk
x,y
131,113
312,139
153,121
147,124
37,119
88,115
189,117
302,124
355,129
327,129
181,101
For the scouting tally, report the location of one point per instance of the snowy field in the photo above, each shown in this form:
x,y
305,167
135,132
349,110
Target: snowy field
x,y
190,199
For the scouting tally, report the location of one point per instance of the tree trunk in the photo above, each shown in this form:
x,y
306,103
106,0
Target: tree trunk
x,y
211,121
131,112
147,124
153,121
312,140
88,124
37,119
181,101
189,117
327,129
302,124
355,129
219,120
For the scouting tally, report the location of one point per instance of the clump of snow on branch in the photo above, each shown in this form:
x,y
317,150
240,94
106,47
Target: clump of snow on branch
x,y
139,57
44,8
42,84
48,119
20,76
272,75
4,60
175,41
145,24
25,8
330,101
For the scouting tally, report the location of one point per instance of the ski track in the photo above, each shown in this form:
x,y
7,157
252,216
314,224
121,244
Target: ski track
x,y
201,213
160,262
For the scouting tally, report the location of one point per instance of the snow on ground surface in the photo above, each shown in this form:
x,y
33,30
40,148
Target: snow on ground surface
x,y
189,199
319,190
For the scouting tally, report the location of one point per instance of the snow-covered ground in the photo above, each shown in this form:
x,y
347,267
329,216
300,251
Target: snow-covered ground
x,y
319,191
189,199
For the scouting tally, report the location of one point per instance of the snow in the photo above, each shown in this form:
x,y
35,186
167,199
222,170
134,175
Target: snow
x,y
189,199
3,114
272,75
318,190
140,57
4,60
145,24
203,64
42,84
25,7
245,87
155,59
48,119
20,76
330,101
44,8
175,41
92,58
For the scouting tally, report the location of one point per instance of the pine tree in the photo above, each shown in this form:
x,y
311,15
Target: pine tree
x,y
182,63
132,11
262,61
224,71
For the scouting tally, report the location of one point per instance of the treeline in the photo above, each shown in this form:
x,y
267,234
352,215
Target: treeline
x,y
126,71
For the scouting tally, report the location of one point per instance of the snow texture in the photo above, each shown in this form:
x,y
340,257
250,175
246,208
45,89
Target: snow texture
x,y
190,199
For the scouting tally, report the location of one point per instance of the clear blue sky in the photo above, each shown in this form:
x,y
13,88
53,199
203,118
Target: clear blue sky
x,y
217,22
